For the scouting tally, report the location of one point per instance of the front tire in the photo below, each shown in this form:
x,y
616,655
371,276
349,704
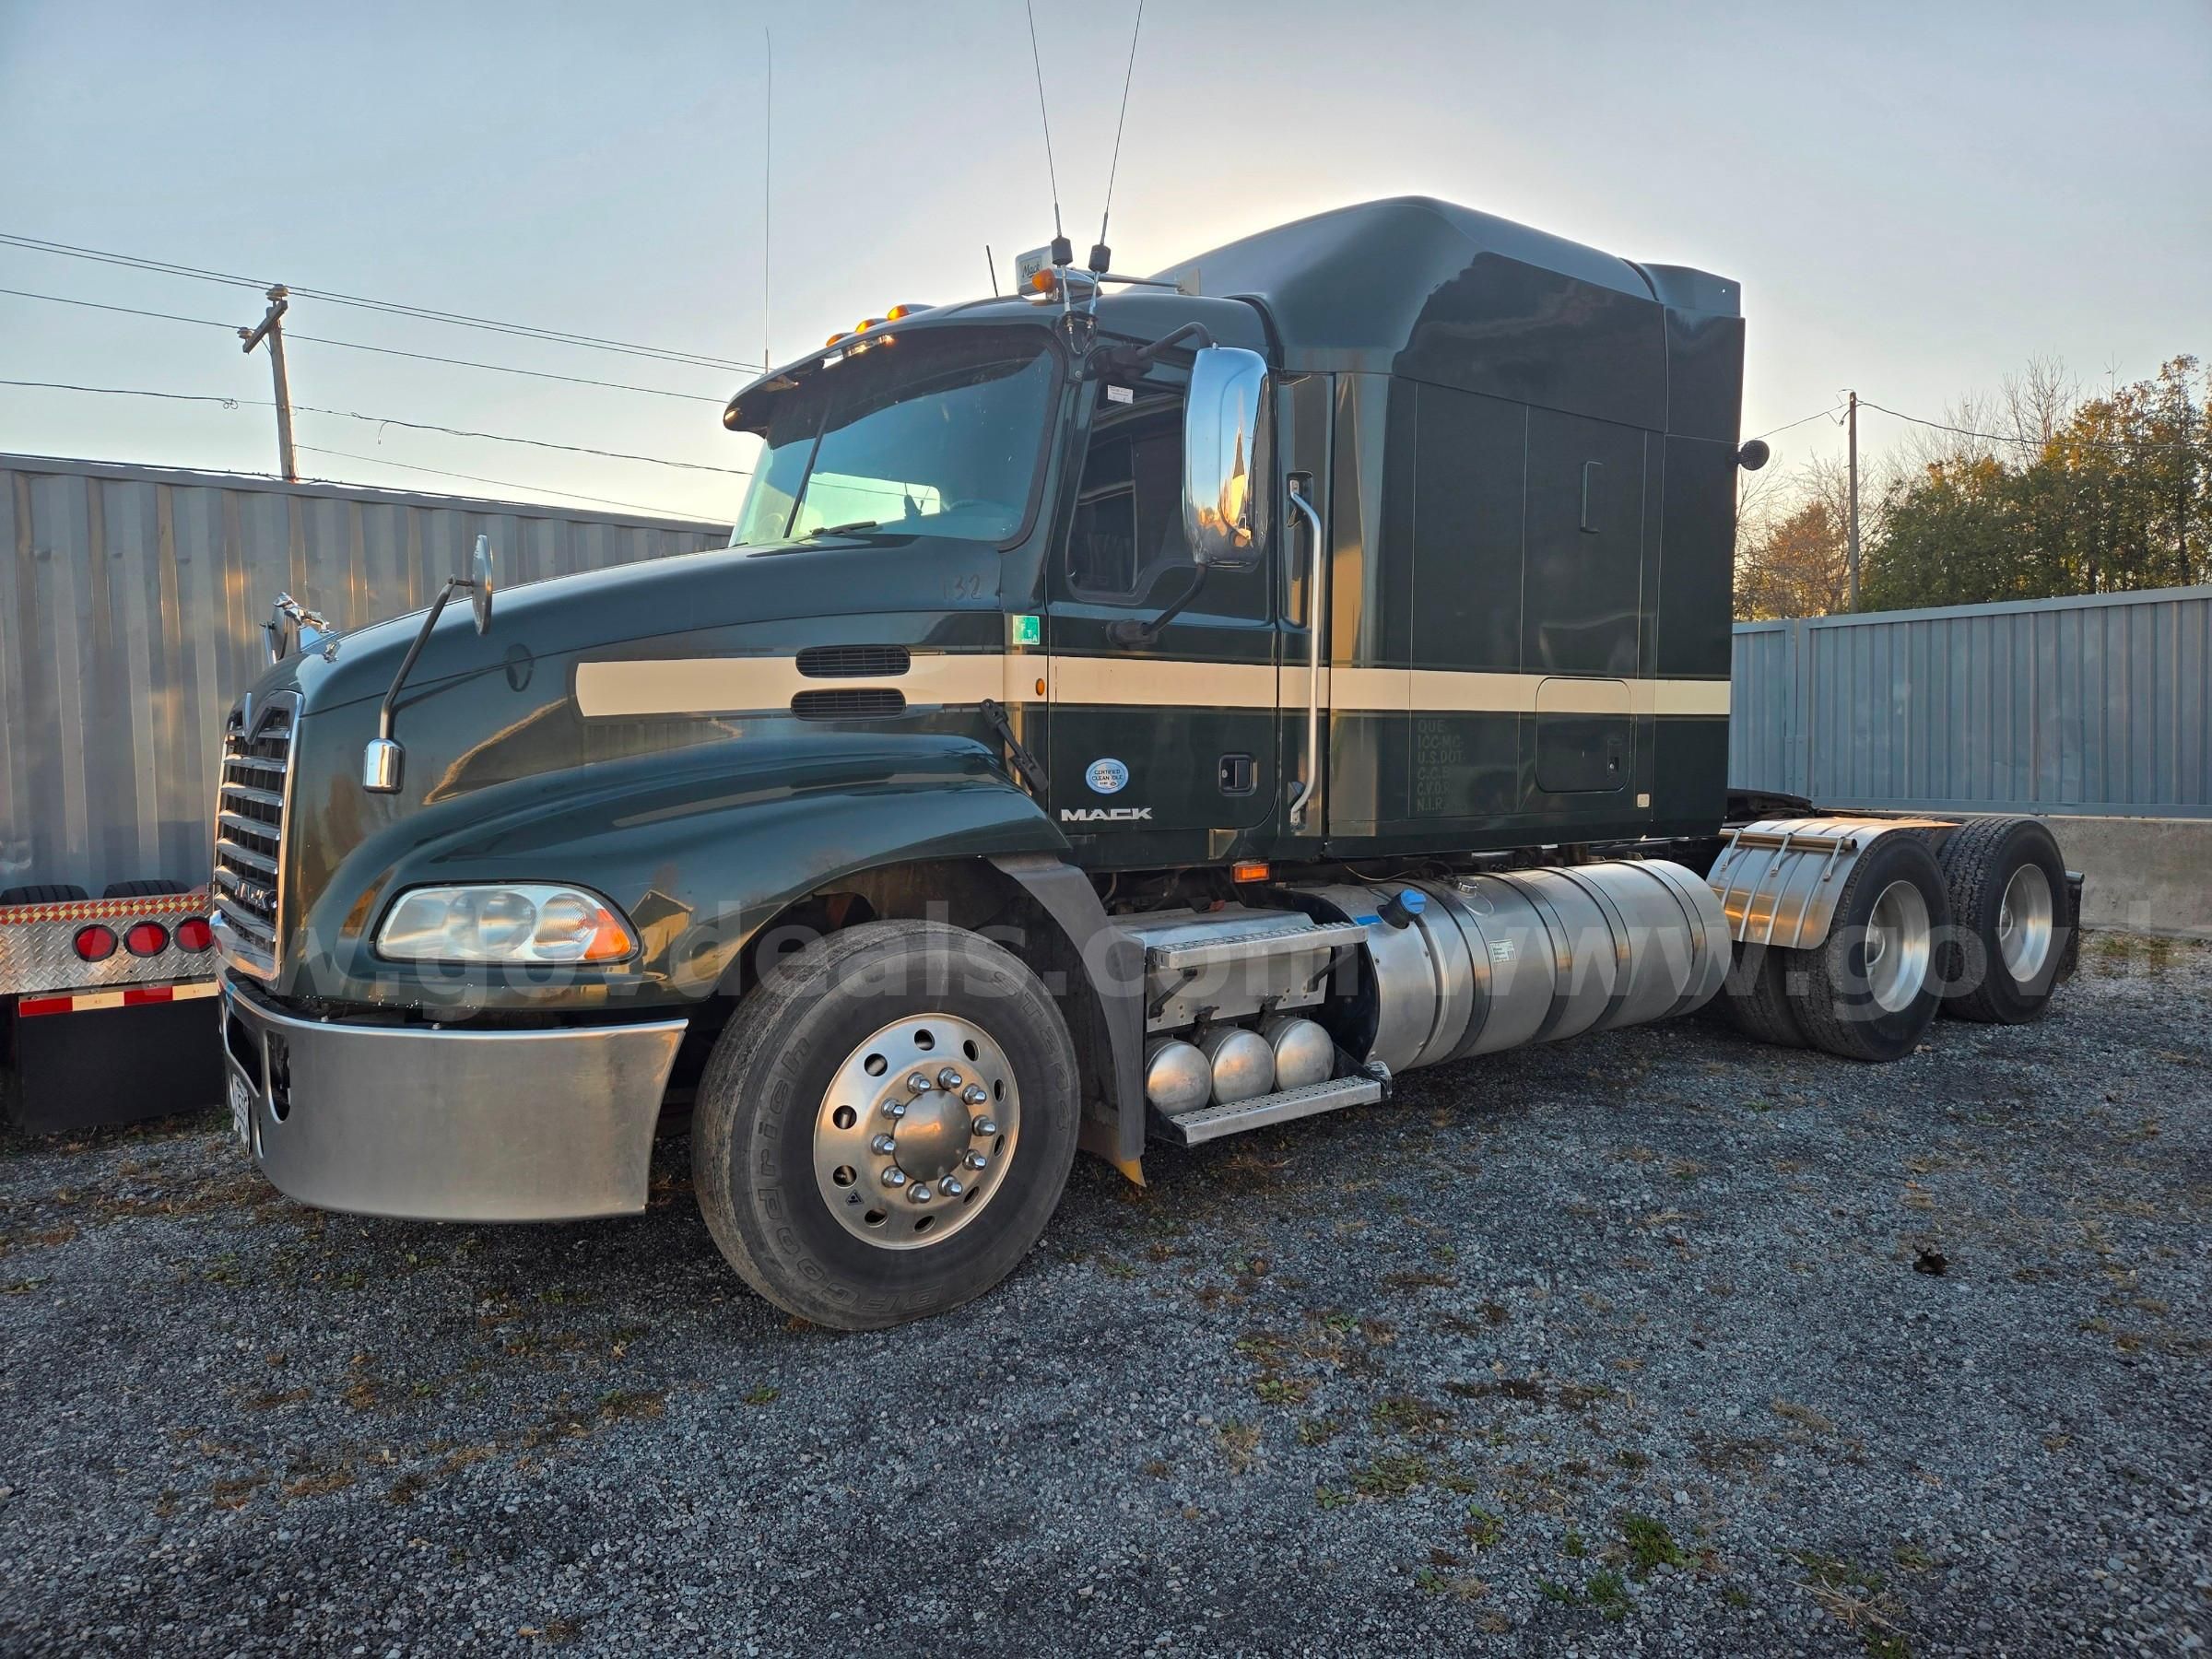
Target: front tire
x,y
1869,990
886,1124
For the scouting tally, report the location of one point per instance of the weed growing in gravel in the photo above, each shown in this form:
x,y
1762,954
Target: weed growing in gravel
x,y
1459,1586
1574,1544
1650,1544
1392,1476
1608,1595
763,1395
1329,1497
1483,1529
1283,1391
1238,1442
1318,1432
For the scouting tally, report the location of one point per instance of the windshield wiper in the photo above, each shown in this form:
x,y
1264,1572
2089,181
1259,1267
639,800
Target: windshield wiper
x,y
855,528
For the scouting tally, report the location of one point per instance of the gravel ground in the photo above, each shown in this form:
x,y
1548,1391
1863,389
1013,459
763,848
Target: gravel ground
x,y
1652,1343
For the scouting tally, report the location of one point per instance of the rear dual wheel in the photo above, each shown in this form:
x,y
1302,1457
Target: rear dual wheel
x,y
2013,915
886,1124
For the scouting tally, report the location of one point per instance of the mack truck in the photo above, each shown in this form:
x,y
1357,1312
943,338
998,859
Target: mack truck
x,y
1127,711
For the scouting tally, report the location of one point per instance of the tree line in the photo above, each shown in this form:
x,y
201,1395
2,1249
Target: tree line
x,y
2039,492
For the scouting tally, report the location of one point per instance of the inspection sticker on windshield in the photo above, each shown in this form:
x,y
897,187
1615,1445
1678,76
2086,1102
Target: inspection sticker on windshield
x,y
1027,630
1120,395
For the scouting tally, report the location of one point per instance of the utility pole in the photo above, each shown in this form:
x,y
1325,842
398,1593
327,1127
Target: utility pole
x,y
271,328
1853,545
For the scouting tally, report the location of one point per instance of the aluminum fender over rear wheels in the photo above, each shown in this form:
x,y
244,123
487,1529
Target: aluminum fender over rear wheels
x,y
1870,988
886,1124
2012,920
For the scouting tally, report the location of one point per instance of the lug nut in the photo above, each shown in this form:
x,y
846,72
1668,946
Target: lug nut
x,y
918,1083
982,1127
894,1109
883,1146
951,1186
977,1160
977,1094
948,1078
894,1177
920,1194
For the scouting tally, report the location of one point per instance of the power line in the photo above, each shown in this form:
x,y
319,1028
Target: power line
x,y
2133,445
424,313
1787,425
422,357
381,420
308,449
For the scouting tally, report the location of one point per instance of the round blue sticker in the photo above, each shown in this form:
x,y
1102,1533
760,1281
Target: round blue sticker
x,y
1106,777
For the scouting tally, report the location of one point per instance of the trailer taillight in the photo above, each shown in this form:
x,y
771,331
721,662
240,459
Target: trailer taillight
x,y
94,944
146,939
195,934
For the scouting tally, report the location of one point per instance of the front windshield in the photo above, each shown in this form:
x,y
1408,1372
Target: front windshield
x,y
910,436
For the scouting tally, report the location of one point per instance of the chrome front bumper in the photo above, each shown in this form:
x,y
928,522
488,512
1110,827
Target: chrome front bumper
x,y
450,1126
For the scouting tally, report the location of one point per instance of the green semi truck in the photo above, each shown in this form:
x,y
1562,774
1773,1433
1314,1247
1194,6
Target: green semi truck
x,y
1127,710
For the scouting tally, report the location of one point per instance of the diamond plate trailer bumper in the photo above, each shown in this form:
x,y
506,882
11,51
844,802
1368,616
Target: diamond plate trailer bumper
x,y
38,945
1779,878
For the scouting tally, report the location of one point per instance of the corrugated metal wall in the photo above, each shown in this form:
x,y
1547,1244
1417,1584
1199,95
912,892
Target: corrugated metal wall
x,y
131,619
2099,704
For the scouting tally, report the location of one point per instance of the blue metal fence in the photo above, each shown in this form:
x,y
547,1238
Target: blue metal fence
x,y
2100,705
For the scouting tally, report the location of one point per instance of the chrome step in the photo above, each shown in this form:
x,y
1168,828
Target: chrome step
x,y
1296,938
1211,1122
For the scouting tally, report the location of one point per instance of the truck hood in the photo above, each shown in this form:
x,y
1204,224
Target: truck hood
x,y
479,712
656,603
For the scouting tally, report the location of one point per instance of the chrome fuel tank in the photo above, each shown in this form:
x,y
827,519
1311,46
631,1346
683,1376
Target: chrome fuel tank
x,y
1488,963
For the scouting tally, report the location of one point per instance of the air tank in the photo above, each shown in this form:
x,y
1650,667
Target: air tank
x,y
1487,962
1177,1076
1243,1064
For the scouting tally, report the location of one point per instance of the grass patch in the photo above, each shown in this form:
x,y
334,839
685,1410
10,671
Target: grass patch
x,y
1391,1476
1649,1545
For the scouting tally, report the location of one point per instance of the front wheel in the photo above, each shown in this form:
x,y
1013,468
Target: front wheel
x,y
886,1124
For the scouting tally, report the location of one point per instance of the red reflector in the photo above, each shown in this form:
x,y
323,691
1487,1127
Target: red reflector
x,y
94,944
195,934
146,939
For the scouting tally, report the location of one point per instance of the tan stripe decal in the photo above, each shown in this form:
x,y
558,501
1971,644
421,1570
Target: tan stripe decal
x,y
764,685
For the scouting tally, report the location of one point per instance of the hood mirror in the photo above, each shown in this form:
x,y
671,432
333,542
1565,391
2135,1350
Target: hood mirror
x,y
1225,460
480,583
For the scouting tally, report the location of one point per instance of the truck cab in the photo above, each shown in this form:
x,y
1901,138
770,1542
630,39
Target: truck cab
x,y
1126,711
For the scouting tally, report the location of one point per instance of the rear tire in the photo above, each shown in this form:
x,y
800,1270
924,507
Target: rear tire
x,y
1870,989
1756,999
45,892
2013,921
788,1130
143,888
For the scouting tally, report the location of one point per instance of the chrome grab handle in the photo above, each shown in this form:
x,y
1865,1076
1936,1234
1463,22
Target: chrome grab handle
x,y
1316,624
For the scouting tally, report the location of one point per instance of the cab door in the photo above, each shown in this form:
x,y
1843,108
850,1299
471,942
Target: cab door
x,y
1163,744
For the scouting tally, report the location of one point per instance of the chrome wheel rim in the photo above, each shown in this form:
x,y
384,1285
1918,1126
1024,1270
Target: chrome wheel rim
x,y
915,1132
1897,947
2024,917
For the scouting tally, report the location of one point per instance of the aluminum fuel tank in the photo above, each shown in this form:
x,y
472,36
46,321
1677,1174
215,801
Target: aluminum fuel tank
x,y
1488,963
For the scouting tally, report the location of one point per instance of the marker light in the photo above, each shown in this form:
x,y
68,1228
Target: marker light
x,y
524,923
834,339
195,934
146,939
1043,281
1248,869
898,311
94,944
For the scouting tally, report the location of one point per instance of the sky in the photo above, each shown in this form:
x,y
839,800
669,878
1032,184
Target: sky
x,y
1917,198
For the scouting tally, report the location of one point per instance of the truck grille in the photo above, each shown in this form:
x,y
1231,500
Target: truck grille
x,y
249,833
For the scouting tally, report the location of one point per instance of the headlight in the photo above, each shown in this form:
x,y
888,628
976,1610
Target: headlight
x,y
521,924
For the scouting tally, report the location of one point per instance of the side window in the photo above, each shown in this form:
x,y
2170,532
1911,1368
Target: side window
x,y
1128,523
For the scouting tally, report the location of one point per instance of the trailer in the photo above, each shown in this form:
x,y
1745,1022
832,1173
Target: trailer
x,y
144,601
1129,712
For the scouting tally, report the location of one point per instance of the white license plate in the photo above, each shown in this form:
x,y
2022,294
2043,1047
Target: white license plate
x,y
242,1109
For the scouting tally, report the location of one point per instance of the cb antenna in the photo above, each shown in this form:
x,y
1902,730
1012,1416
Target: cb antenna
x,y
768,149
1101,256
1062,254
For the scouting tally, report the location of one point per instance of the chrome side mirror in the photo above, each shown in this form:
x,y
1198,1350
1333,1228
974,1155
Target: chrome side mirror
x,y
1225,462
479,577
